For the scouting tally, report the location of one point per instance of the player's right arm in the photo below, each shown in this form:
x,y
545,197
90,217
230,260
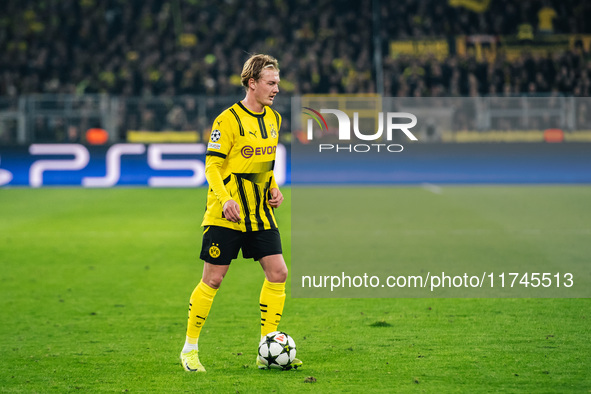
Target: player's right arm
x,y
232,211
218,148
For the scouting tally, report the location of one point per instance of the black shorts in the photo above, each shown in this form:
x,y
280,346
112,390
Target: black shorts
x,y
220,245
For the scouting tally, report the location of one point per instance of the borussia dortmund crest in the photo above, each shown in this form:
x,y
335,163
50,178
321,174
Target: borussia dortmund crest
x,y
273,131
214,251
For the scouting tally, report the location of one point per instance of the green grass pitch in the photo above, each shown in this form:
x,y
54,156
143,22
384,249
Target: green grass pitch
x,y
94,287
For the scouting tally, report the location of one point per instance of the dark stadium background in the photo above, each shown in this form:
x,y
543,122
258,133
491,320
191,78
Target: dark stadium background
x,y
137,69
143,48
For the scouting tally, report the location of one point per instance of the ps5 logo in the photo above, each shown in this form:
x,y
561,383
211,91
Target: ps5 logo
x,y
155,158
154,165
5,177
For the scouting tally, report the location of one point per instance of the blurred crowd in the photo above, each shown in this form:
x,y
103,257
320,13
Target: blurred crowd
x,y
566,73
177,47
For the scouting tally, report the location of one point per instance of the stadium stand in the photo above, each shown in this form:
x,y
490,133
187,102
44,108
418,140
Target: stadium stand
x,y
156,48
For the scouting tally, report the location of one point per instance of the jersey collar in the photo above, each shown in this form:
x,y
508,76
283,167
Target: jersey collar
x,y
256,115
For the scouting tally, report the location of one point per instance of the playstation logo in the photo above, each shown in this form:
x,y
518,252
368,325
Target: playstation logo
x,y
5,177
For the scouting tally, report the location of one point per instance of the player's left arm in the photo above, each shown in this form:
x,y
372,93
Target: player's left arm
x,y
276,195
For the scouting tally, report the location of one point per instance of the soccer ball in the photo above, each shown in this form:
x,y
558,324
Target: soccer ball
x,y
277,350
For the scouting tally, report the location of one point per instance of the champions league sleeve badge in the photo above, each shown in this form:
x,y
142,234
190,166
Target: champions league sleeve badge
x,y
215,135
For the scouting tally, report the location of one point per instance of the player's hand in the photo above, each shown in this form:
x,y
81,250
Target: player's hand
x,y
276,198
232,211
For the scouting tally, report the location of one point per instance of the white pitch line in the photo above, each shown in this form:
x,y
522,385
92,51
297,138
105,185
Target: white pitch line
x,y
432,188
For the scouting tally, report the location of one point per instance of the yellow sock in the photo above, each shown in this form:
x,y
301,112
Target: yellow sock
x,y
271,301
199,306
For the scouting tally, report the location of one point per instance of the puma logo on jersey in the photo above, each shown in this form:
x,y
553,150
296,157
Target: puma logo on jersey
x,y
253,133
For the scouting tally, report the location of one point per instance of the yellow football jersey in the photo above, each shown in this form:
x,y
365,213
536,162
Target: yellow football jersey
x,y
239,165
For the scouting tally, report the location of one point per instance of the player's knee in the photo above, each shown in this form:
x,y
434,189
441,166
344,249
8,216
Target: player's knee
x,y
278,275
214,281
283,274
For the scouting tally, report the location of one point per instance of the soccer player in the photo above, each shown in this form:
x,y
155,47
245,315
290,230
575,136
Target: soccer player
x,y
242,195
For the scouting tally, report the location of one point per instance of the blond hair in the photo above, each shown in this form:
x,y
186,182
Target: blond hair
x,y
254,66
